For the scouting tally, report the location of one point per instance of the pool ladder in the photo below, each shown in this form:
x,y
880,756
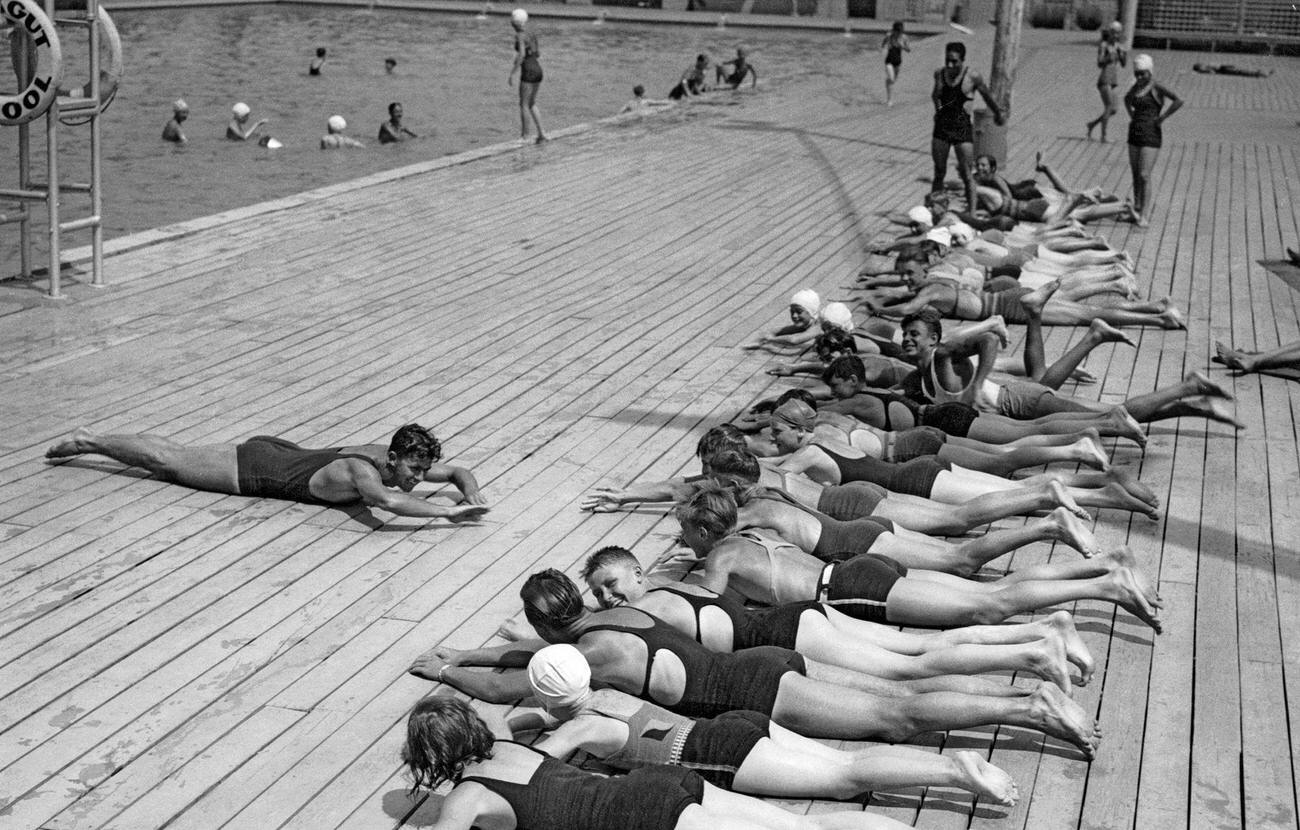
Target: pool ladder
x,y
89,108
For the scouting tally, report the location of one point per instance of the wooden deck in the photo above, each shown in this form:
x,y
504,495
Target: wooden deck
x,y
567,317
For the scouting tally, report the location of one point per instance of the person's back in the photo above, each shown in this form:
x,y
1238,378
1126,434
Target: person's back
x,y
765,568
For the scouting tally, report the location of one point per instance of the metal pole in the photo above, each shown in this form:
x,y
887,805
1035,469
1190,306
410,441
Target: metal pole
x,y
1130,23
24,182
52,193
97,229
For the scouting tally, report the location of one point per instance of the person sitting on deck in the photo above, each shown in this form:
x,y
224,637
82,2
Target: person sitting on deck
x,y
270,467
739,751
638,654
765,568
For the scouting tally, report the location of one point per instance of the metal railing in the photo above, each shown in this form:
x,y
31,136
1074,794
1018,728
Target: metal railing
x,y
1221,20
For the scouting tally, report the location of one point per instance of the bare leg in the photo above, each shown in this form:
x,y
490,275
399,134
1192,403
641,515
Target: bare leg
x,y
1283,357
940,519
1145,407
206,467
1083,451
967,557
939,154
895,689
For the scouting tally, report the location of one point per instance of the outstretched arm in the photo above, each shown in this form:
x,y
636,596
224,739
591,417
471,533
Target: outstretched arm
x,y
999,117
605,499
459,476
374,494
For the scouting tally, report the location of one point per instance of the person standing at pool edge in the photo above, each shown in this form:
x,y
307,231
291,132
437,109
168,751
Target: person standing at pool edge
x,y
1110,57
172,130
529,68
235,130
955,85
1145,103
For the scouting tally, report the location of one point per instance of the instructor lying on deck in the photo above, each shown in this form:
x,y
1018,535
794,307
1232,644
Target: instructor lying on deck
x,y
275,468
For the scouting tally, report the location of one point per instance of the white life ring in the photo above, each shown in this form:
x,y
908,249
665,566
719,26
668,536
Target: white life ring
x,y
32,27
110,72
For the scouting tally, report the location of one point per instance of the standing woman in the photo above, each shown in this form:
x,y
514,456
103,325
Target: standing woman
x,y
530,73
1148,104
1110,57
894,45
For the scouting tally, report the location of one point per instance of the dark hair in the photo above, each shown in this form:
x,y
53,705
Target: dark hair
x,y
742,465
609,555
720,437
320,51
712,508
993,163
551,600
898,26
835,340
638,90
797,395
393,61
937,198
701,58
955,46
414,441
393,106
443,734
845,367
928,317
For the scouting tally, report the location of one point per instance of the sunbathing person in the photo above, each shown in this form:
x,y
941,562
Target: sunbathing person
x,y
269,467
498,783
734,463
947,372
831,462
1052,205
723,624
635,653
1285,357
765,568
804,308
739,751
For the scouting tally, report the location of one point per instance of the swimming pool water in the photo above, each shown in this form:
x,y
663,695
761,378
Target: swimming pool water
x,y
451,80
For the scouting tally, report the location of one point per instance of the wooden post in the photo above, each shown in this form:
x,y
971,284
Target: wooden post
x,y
1006,51
1129,19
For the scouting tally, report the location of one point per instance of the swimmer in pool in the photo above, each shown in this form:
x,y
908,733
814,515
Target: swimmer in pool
x,y
237,129
269,467
392,131
172,130
317,62
529,68
389,65
335,139
692,81
641,104
740,67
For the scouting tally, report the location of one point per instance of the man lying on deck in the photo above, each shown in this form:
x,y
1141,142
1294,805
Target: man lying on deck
x,y
274,468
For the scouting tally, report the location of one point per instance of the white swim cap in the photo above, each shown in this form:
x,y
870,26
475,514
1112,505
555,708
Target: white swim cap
x,y
519,17
241,110
179,105
337,123
1143,63
837,316
941,235
808,300
961,233
560,676
1116,26
920,215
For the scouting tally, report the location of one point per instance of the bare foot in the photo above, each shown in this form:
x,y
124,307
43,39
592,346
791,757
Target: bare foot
x,y
1203,385
1213,409
1106,333
1128,595
1047,661
1115,497
1123,557
1172,318
1060,717
1035,300
75,444
1089,453
984,779
1075,649
1131,483
1233,358
1126,426
1062,499
1068,529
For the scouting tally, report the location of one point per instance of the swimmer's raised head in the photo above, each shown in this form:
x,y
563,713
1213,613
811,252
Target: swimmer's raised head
x,y
638,90
837,316
920,215
337,123
320,51
1116,26
898,26
241,110
808,300
179,105
390,64
961,233
519,17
